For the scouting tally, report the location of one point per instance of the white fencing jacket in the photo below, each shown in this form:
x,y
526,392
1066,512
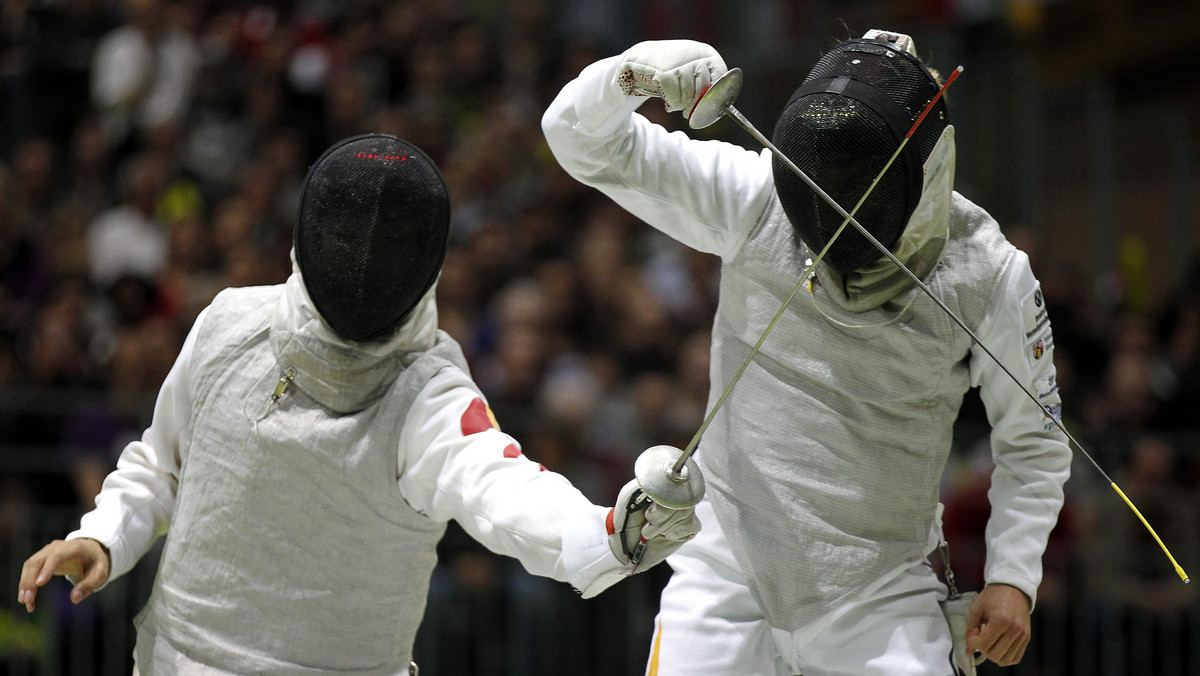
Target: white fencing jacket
x,y
824,463
301,532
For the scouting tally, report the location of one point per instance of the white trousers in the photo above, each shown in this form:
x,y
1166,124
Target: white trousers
x,y
708,623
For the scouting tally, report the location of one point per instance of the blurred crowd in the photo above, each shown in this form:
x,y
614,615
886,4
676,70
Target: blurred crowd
x,y
152,152
156,156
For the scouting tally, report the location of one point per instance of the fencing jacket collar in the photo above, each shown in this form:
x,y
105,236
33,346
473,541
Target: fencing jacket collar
x,y
341,375
919,247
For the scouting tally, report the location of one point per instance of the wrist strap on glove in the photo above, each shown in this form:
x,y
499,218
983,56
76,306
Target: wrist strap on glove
x,y
630,520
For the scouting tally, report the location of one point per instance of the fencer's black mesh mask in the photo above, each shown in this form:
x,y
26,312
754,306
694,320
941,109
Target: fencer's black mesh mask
x,y
840,127
372,234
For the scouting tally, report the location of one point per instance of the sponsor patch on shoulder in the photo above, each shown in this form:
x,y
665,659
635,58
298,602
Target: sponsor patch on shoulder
x,y
1035,325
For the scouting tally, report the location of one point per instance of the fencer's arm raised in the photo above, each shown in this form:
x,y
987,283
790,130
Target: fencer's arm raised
x,y
706,194
1031,455
136,501
456,464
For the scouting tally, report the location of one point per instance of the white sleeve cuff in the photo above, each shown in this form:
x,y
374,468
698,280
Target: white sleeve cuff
x,y
589,563
1013,578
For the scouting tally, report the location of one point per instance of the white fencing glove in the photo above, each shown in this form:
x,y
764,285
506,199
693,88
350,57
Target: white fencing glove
x,y
677,71
643,533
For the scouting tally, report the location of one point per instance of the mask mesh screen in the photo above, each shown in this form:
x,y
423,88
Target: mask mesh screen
x,y
841,144
841,139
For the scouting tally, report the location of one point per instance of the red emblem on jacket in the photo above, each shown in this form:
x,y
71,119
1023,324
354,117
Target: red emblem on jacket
x,y
477,418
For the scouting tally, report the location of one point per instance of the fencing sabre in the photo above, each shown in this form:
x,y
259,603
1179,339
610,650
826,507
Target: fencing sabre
x,y
667,474
717,102
666,471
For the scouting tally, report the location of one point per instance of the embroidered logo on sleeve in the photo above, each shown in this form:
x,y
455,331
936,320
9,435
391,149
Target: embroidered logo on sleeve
x,y
511,451
1035,324
1046,387
1054,411
478,418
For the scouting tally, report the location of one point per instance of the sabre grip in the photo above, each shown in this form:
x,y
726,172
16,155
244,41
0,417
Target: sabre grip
x,y
638,501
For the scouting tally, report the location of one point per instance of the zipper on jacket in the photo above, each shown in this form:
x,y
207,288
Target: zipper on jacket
x,y
281,388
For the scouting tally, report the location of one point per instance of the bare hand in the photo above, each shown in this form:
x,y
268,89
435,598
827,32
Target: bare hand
x,y
84,559
998,624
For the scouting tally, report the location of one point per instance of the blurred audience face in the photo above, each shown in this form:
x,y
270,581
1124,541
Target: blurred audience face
x,y
145,182
34,168
57,347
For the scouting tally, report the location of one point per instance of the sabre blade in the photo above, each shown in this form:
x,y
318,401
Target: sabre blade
x,y
982,346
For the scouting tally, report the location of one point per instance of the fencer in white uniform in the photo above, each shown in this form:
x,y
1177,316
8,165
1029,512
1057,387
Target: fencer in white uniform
x,y
310,444
823,465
